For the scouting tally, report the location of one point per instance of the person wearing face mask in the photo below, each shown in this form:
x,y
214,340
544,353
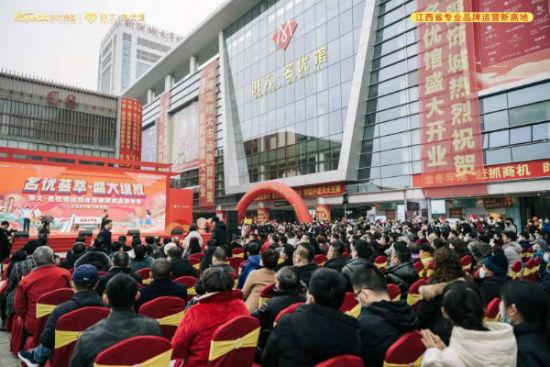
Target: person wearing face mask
x,y
492,276
382,321
526,306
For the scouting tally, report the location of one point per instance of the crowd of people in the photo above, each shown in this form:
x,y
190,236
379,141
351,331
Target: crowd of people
x,y
316,264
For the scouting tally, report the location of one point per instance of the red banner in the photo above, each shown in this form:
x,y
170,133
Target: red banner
x,y
130,129
162,128
449,105
493,173
207,134
326,190
179,209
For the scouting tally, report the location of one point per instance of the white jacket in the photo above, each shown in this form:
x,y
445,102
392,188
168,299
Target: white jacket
x,y
470,348
187,239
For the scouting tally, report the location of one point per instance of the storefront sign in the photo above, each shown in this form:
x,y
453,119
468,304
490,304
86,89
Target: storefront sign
x,y
130,129
162,127
306,192
207,134
53,99
455,212
504,202
449,113
284,34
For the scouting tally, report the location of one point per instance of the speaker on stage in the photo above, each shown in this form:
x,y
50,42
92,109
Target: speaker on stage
x,y
85,233
21,234
133,232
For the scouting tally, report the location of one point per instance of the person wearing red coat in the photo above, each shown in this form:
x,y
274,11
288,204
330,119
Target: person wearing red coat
x,y
44,278
219,305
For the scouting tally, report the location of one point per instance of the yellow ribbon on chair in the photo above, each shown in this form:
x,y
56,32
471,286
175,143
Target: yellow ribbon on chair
x,y
396,298
147,281
514,274
161,360
191,291
241,255
65,337
413,298
197,266
415,363
355,311
262,301
222,347
43,309
171,320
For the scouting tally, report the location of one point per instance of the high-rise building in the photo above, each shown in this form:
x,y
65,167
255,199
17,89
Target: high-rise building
x,y
127,51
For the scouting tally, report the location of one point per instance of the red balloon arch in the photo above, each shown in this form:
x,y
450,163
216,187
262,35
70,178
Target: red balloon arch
x,y
279,188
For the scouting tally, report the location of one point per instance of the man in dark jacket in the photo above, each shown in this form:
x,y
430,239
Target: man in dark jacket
x,y
94,256
361,253
5,241
79,248
84,279
402,272
335,256
316,331
285,293
104,237
161,285
219,233
303,263
121,324
382,321
492,276
120,265
178,266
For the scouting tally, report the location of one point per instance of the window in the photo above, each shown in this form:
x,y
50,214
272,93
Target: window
x,y
537,112
147,56
152,45
498,138
531,94
495,120
494,103
520,135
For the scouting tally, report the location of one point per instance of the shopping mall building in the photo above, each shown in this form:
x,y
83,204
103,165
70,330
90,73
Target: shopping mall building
x,y
329,96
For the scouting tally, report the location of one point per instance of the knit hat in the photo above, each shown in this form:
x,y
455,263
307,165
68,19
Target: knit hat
x,y
497,263
85,274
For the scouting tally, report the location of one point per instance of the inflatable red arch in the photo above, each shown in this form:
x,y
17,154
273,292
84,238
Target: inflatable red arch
x,y
285,191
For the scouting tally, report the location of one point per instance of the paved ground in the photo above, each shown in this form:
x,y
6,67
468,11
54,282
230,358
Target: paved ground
x,y
6,358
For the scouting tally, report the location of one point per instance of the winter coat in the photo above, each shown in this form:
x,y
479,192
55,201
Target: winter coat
x,y
354,264
193,234
182,267
490,287
256,281
382,323
94,257
102,284
192,338
103,240
144,263
472,348
219,234
304,273
533,349
513,253
160,288
403,275
429,311
337,263
252,263
310,335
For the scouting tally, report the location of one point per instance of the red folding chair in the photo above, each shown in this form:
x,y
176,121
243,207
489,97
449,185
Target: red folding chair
x,y
345,360
237,252
196,256
151,351
492,310
189,282
394,292
68,329
145,273
234,343
407,351
515,270
290,309
235,263
168,311
467,263
350,305
419,267
320,259
195,262
381,262
413,296
45,304
266,294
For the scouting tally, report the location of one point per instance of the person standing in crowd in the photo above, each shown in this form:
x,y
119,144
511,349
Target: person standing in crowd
x,y
361,256
304,266
193,233
218,305
206,261
526,306
178,266
511,248
104,237
120,264
94,256
258,279
401,270
252,262
382,321
26,213
140,260
162,284
492,276
45,277
219,233
316,331
43,233
5,242
122,323
84,281
79,249
335,256
473,343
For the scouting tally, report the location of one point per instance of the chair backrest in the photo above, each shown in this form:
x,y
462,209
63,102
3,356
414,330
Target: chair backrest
x,y
195,262
407,351
145,273
189,282
466,261
530,271
266,294
526,254
237,252
234,343
68,329
235,263
345,360
320,259
419,267
349,302
196,256
45,304
394,292
413,296
515,270
381,262
492,310
168,311
145,351
288,310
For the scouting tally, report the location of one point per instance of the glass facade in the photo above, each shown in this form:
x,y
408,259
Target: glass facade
x,y
289,106
126,60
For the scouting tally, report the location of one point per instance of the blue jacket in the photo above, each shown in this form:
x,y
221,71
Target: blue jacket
x,y
252,263
159,288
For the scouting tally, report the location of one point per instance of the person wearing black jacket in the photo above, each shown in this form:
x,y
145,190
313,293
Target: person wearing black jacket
x,y
285,293
94,256
103,240
219,233
492,276
79,248
179,266
402,272
5,241
317,330
84,279
382,321
527,308
361,253
336,259
303,263
161,285
120,265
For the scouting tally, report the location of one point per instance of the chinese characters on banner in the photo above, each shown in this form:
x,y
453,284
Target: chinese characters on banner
x,y
130,129
449,105
207,134
162,128
326,190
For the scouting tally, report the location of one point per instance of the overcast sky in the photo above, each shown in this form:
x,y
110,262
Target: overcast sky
x,y
69,52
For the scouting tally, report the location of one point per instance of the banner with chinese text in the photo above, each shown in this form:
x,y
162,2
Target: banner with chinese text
x,y
306,192
179,210
207,134
449,107
76,198
162,128
130,129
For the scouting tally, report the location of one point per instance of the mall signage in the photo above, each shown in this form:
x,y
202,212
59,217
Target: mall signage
x,y
284,34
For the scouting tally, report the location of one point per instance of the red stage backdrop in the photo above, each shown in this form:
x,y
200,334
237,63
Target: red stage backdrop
x,y
207,134
130,129
179,211
76,197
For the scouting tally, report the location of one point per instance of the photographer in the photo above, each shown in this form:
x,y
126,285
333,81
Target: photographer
x,y
6,241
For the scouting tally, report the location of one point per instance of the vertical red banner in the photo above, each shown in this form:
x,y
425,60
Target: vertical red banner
x,y
130,129
207,134
179,208
162,128
451,150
